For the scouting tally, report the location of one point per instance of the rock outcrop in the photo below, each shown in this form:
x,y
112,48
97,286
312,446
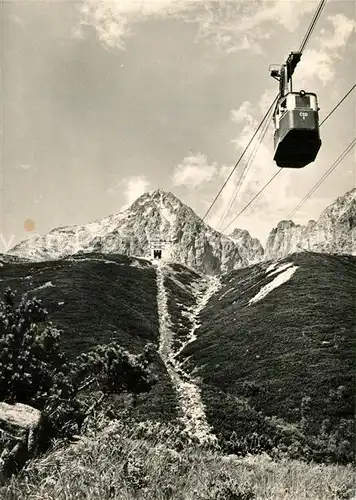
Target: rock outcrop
x,y
333,232
250,248
20,435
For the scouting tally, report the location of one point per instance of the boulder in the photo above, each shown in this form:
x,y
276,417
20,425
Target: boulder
x,y
20,434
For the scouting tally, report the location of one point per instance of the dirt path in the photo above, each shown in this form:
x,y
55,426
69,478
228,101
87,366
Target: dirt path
x,y
192,409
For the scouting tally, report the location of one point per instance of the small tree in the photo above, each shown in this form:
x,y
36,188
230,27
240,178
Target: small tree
x,y
30,359
33,370
114,369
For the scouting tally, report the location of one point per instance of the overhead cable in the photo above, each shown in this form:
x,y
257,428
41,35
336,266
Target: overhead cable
x,y
322,179
279,171
302,47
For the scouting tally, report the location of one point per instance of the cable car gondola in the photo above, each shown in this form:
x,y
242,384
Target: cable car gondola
x,y
296,120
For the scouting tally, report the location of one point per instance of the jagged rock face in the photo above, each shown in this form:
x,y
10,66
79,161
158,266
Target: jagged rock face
x,y
333,232
250,248
187,239
154,216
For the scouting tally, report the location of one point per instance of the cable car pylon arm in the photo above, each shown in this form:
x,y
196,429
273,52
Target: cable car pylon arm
x,y
284,73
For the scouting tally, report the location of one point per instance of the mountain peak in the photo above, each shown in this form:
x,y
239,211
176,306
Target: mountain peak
x,y
158,196
157,219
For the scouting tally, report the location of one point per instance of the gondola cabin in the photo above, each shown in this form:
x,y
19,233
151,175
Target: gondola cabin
x,y
296,137
296,119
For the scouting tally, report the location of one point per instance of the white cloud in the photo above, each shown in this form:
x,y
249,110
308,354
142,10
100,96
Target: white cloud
x,y
112,20
266,99
217,217
244,25
108,19
343,28
243,114
317,65
233,26
247,180
193,171
131,187
25,166
38,199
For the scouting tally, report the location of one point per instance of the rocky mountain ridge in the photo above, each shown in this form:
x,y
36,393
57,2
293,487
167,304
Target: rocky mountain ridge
x,y
160,220
155,219
333,232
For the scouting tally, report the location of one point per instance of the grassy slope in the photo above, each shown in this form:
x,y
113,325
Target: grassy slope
x,y
125,464
277,342
90,289
102,302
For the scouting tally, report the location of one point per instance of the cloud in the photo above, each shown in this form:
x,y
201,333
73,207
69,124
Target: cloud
x,y
112,20
317,65
245,25
343,28
232,26
217,217
108,20
38,199
131,187
25,166
193,171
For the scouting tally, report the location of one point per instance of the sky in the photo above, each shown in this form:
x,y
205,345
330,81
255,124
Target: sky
x,y
102,101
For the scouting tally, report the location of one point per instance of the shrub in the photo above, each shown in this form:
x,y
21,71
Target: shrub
x,y
33,371
30,360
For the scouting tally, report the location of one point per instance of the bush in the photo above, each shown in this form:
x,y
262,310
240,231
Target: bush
x,y
30,361
33,371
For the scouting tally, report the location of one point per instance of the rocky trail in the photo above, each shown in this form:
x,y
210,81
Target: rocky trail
x,y
191,406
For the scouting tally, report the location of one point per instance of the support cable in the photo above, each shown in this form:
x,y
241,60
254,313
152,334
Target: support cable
x,y
279,171
322,179
302,47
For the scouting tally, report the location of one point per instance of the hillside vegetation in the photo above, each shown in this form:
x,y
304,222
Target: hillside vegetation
x,y
270,371
92,298
95,299
280,370
126,461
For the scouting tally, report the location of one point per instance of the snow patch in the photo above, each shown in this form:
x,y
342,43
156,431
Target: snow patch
x,y
203,295
228,291
178,283
282,267
271,267
168,215
90,259
147,210
48,284
283,277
